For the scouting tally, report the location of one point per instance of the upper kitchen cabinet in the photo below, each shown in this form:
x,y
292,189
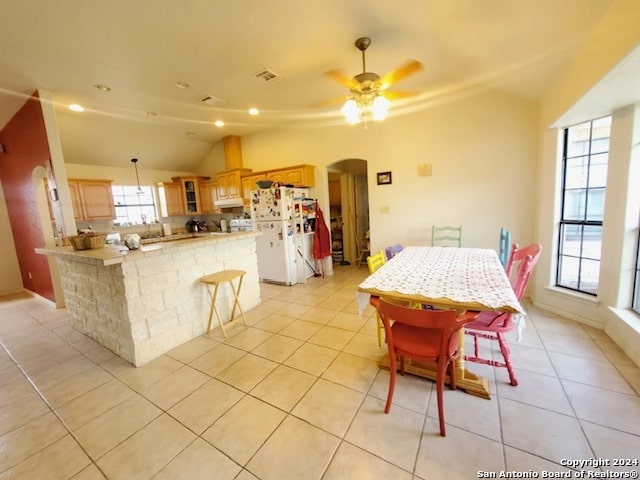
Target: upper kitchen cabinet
x,y
298,176
170,195
335,196
229,184
208,197
249,184
92,199
190,189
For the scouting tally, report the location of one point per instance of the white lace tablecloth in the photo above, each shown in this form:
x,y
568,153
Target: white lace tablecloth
x,y
461,278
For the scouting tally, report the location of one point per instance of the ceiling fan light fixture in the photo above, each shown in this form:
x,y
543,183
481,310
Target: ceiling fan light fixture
x,y
380,108
351,112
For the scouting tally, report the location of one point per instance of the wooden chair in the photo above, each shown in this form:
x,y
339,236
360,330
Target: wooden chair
x,y
505,246
374,262
363,251
421,335
446,236
392,251
495,326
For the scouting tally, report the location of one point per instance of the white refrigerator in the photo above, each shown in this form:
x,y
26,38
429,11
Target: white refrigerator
x,y
284,248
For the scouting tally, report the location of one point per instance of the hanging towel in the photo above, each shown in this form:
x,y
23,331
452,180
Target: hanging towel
x,y
321,240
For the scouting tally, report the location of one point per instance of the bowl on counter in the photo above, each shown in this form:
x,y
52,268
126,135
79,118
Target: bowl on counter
x,y
264,183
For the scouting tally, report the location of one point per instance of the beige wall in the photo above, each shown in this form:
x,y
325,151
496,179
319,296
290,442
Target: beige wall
x,y
483,150
570,100
10,280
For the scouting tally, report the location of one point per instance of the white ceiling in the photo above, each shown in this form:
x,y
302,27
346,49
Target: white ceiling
x,y
141,48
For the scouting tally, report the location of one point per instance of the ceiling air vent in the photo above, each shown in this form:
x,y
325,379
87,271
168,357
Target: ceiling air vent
x,y
212,101
266,75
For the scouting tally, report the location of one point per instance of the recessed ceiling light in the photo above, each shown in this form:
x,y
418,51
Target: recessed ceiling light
x,y
76,108
152,114
103,88
182,85
190,133
219,123
254,111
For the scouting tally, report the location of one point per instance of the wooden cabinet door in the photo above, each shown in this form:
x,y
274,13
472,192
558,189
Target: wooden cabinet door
x,y
190,195
334,193
75,200
277,176
249,184
234,186
170,194
301,176
208,197
230,183
96,199
222,186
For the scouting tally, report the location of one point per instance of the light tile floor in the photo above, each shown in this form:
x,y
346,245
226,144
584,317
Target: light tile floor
x,y
298,394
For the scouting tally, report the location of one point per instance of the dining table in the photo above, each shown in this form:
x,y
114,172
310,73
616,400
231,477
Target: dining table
x,y
464,279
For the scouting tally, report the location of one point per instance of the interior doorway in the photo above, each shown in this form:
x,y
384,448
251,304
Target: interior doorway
x,y
349,209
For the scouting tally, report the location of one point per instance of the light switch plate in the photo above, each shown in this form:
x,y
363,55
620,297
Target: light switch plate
x,y
424,170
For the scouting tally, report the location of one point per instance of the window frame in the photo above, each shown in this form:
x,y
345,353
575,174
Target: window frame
x,y
149,191
635,297
561,253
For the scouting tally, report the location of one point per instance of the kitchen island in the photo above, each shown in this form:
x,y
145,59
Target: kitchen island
x,y
142,303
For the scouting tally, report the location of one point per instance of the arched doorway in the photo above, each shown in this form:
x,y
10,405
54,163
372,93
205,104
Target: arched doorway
x,y
349,209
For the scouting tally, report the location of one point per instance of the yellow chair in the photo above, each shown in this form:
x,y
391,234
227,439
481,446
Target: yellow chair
x,y
446,236
374,262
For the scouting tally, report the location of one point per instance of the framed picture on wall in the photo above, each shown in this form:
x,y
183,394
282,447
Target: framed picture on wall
x,y
384,178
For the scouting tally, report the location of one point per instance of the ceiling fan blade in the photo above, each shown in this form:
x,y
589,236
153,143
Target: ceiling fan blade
x,y
341,78
396,95
400,73
328,103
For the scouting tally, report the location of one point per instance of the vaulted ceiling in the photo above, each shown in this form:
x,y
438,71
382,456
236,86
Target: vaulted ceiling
x,y
141,49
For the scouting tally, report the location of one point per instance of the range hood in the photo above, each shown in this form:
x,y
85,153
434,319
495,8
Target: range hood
x,y
229,203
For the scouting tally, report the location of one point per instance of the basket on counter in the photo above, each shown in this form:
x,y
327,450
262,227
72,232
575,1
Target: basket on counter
x,y
87,242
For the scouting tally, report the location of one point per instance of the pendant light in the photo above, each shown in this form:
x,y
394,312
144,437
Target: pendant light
x,y
135,165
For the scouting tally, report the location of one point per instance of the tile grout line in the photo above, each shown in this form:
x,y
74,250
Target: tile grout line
x,y
53,411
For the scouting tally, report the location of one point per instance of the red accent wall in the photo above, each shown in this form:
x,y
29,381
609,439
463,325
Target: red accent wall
x,y
26,147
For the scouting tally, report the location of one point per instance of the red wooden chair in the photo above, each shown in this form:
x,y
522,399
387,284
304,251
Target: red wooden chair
x,y
495,326
421,335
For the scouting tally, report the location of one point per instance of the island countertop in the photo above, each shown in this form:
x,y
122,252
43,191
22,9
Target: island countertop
x,y
114,254
142,303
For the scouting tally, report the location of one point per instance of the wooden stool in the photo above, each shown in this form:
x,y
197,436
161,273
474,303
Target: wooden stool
x,y
216,279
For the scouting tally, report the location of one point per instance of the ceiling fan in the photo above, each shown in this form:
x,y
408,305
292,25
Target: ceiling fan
x,y
370,92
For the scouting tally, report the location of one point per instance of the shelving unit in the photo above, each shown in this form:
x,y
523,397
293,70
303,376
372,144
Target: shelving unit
x,y
337,252
304,218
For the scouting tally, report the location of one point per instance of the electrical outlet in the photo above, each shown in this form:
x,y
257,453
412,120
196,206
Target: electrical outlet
x,y
385,210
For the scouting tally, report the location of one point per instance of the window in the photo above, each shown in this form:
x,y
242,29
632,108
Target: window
x,y
636,284
134,207
586,153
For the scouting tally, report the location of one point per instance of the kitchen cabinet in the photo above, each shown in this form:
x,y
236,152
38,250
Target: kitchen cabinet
x,y
190,190
249,184
335,197
91,199
229,183
208,197
170,195
298,176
